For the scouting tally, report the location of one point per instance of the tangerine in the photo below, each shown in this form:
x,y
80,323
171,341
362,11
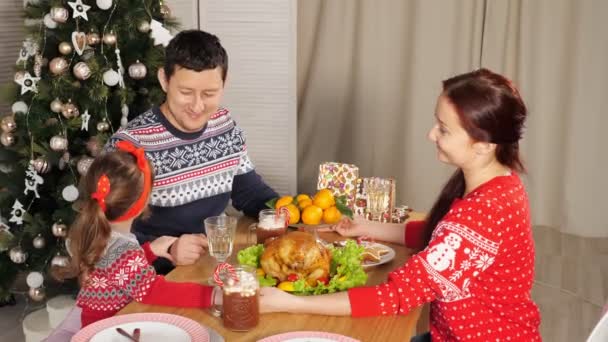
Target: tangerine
x,y
324,199
312,215
332,215
283,201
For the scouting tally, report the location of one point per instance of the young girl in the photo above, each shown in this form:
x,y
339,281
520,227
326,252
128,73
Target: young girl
x,y
113,268
478,264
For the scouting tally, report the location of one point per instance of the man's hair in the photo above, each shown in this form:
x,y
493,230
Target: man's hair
x,y
195,50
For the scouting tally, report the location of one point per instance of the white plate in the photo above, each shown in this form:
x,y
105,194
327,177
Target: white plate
x,y
308,336
383,259
150,332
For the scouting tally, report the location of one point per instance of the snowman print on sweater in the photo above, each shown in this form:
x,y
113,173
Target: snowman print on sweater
x,y
443,255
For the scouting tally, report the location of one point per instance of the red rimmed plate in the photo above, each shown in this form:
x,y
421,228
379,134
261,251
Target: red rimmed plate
x,y
153,326
308,336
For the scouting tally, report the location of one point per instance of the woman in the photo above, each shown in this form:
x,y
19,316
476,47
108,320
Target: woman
x,y
478,264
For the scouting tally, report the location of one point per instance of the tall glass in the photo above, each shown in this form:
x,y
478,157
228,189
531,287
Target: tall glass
x,y
378,193
220,235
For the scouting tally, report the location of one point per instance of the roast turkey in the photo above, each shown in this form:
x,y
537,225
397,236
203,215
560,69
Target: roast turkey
x,y
296,253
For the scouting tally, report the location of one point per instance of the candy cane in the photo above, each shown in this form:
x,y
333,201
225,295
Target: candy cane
x,y
287,215
224,267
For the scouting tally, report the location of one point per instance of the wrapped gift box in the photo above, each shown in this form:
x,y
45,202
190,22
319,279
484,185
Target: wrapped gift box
x,y
340,178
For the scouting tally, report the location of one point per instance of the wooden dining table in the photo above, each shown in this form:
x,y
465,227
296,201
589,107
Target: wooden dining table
x,y
392,328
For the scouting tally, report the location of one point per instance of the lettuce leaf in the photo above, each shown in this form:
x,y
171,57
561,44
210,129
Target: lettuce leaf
x,y
251,255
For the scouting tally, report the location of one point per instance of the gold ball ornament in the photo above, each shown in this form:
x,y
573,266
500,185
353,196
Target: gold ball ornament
x,y
59,14
109,38
65,48
60,260
7,139
39,242
58,143
82,71
56,105
165,11
103,126
83,165
59,229
8,124
37,294
144,26
93,38
41,165
69,110
137,70
58,65
17,255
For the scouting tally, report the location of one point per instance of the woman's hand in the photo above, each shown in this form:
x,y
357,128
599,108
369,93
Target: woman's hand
x,y
274,300
350,227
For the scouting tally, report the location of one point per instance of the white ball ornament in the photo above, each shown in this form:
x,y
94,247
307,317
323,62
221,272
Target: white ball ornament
x,y
70,193
34,279
104,4
49,22
111,78
19,107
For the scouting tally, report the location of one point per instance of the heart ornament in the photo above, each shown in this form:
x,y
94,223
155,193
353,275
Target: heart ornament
x,y
79,41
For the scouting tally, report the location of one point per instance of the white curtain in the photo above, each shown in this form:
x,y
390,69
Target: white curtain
x,y
369,73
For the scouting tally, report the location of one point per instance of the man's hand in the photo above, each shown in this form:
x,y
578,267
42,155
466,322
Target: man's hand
x,y
188,248
161,245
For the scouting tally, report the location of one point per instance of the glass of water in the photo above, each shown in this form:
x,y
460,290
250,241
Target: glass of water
x,y
220,235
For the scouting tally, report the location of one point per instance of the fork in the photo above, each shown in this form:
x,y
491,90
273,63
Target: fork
x,y
134,337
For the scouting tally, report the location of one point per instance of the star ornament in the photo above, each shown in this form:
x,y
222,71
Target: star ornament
x,y
85,120
80,9
28,83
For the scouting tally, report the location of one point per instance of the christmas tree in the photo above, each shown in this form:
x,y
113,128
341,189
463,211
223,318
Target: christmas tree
x,y
84,66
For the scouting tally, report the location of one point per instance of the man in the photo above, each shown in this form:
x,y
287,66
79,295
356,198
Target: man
x,y
197,150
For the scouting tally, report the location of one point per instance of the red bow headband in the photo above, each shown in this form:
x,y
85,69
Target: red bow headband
x,y
103,184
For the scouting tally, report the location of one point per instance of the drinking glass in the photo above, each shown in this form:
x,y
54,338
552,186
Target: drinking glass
x,y
220,235
241,292
378,192
271,224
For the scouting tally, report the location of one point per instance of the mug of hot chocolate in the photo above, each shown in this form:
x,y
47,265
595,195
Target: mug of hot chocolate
x,y
241,292
271,224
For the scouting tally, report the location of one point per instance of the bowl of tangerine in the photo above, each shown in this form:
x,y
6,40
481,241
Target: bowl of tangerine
x,y
322,208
